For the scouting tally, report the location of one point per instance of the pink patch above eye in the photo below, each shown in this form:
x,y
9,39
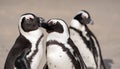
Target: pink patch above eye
x,y
29,17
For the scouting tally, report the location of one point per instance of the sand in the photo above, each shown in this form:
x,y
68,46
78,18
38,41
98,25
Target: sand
x,y
105,13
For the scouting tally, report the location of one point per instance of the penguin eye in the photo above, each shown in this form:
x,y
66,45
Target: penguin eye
x,y
31,19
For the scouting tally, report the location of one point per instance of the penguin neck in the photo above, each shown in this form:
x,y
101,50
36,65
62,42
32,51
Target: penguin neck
x,y
76,24
32,36
60,37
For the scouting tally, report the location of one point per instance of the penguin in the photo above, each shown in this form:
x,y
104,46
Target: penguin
x,y
27,50
61,52
86,41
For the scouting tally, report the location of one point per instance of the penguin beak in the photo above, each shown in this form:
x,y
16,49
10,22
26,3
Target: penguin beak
x,y
91,22
45,25
41,21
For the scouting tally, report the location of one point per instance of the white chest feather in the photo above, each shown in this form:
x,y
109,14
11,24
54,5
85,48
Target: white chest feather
x,y
37,58
57,58
33,37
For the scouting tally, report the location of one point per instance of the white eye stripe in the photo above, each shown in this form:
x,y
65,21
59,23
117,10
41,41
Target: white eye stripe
x,y
84,14
53,21
28,16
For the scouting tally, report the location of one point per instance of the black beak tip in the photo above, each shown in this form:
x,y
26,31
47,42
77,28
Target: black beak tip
x,y
44,25
41,21
91,22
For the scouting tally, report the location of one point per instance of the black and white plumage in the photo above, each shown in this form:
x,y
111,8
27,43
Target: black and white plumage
x,y
27,51
86,41
61,51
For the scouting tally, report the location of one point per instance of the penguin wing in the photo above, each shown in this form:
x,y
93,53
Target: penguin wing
x,y
45,66
22,62
16,51
96,49
77,54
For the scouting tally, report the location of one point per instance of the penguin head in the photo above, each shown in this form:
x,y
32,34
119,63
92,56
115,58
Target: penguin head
x,y
56,25
30,22
83,17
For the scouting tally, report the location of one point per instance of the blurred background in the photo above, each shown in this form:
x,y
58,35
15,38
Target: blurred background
x,y
105,13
